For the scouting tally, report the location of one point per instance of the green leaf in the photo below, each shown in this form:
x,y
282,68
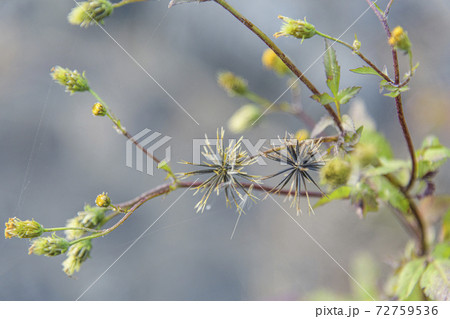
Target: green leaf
x,y
431,156
365,70
323,98
339,193
391,194
371,137
346,94
442,251
332,69
388,166
435,281
408,277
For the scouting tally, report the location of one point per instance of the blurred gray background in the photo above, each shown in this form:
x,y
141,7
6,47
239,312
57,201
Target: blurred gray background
x,y
55,156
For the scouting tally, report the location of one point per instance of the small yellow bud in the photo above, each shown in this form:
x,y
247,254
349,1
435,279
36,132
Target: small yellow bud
x,y
23,229
272,62
299,29
49,246
103,200
77,254
356,44
336,172
99,110
302,135
399,39
90,12
233,84
72,80
244,118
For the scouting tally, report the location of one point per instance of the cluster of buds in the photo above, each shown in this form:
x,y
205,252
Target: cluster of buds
x,y
233,84
72,80
77,254
299,29
272,62
399,39
90,12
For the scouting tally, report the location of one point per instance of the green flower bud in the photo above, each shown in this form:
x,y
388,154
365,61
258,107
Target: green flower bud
x,y
72,80
91,217
49,246
23,229
336,172
299,29
103,200
399,39
231,83
244,118
77,254
365,154
356,44
90,12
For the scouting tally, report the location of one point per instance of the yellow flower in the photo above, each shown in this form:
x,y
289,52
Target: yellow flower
x,y
272,62
399,39
302,135
23,229
103,200
99,110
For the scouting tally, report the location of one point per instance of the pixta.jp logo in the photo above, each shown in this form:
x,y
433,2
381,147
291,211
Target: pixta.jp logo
x,y
150,142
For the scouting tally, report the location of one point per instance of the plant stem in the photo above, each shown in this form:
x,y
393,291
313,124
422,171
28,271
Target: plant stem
x,y
398,100
120,128
358,53
281,55
53,229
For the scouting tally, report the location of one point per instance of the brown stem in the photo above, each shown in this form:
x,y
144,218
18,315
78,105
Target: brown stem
x,y
281,55
128,136
167,188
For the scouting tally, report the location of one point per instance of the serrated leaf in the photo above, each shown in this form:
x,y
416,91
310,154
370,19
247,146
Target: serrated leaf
x,y
365,70
332,69
323,98
392,195
435,281
339,193
346,94
408,277
321,125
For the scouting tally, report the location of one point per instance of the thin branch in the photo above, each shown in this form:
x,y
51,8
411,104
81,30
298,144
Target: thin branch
x,y
281,55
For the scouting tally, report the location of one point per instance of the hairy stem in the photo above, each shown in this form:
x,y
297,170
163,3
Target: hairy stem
x,y
281,55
